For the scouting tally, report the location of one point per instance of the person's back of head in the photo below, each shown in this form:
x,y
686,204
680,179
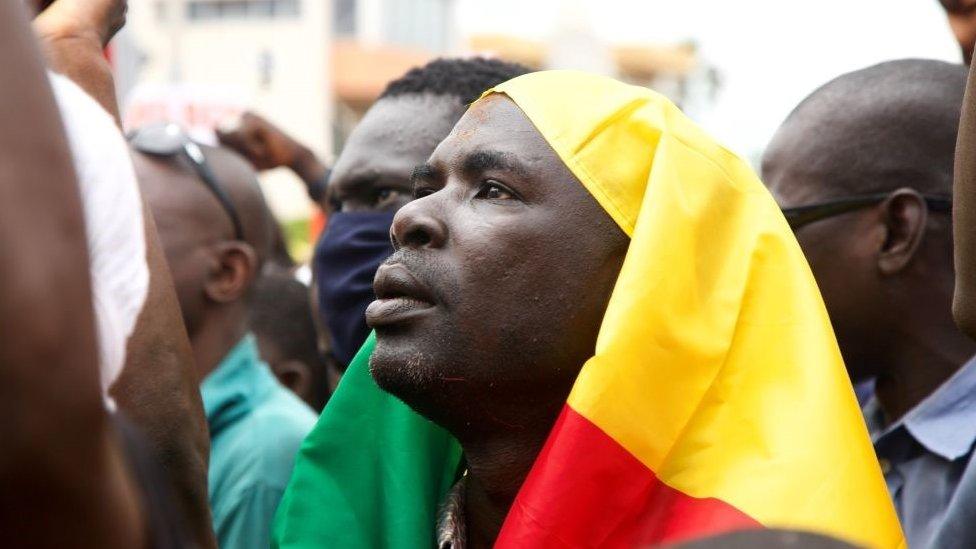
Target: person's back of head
x,y
864,167
281,319
216,236
765,539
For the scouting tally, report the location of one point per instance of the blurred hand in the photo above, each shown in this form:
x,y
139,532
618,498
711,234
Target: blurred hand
x,y
263,143
97,19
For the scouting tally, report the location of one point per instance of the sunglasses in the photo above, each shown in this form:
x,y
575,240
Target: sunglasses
x,y
169,140
804,215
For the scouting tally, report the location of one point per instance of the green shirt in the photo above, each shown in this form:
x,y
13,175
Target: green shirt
x,y
256,427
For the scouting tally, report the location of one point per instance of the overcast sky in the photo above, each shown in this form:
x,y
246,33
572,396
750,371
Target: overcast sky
x,y
770,53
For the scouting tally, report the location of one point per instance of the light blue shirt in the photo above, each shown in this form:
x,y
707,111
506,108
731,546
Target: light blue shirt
x,y
256,427
925,457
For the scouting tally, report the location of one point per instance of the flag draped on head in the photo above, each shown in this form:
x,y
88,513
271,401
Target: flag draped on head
x,y
716,398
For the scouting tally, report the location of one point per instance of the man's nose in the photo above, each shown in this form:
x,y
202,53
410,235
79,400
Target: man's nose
x,y
416,226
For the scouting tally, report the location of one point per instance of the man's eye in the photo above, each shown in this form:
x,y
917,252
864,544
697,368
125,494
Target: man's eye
x,y
386,194
420,192
492,190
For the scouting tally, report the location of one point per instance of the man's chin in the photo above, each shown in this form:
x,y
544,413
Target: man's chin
x,y
413,377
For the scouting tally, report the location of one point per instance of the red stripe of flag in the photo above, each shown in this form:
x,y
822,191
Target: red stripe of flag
x,y
586,490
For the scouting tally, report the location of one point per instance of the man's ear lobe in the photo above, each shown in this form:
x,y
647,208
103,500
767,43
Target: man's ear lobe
x,y
905,215
295,376
233,273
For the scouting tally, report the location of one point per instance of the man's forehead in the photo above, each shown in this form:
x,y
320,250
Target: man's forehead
x,y
494,126
396,135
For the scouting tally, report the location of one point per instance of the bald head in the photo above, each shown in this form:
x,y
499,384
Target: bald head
x,y
874,130
884,268
210,267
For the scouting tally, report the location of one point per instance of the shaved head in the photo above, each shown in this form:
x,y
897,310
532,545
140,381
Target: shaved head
x,y
885,268
172,185
874,130
197,233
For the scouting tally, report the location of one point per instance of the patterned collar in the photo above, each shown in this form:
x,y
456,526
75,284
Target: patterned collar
x,y
451,530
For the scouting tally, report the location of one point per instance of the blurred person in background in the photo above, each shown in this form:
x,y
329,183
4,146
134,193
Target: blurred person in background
x,y
217,233
863,169
962,21
370,180
281,320
147,363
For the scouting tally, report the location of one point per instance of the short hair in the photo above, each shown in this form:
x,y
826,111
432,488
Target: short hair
x,y
890,125
280,312
464,78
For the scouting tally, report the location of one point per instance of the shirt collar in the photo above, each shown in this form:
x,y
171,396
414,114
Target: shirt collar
x,y
944,423
234,387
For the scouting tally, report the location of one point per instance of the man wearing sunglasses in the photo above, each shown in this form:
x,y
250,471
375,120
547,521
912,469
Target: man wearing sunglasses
x,y
863,169
216,234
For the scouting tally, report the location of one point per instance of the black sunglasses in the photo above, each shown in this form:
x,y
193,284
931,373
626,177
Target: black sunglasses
x,y
803,215
167,140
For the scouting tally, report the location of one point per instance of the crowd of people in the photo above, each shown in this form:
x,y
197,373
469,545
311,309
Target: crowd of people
x,y
547,310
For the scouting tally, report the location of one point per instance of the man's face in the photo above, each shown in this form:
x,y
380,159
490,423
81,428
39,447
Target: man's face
x,y
841,252
962,21
396,135
505,265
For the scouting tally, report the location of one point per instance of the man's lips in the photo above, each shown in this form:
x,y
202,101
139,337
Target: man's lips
x,y
399,296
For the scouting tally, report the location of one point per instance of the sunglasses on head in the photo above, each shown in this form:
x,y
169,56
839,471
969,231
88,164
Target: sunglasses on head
x,y
169,140
803,215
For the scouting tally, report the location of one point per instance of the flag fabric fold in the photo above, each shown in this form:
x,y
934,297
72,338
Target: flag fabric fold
x,y
716,398
370,474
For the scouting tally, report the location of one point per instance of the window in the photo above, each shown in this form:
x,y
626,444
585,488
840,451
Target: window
x,y
418,23
344,17
198,10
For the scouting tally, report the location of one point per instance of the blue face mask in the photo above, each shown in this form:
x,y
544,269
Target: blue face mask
x,y
345,262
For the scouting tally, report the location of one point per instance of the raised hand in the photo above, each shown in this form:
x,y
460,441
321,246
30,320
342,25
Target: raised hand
x,y
97,19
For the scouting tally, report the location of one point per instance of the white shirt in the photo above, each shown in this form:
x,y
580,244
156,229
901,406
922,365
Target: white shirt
x,y
113,222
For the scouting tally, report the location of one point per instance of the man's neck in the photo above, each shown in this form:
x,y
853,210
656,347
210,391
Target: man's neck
x,y
213,340
918,365
497,466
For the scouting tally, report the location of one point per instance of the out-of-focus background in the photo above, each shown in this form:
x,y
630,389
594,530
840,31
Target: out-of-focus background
x,y
315,66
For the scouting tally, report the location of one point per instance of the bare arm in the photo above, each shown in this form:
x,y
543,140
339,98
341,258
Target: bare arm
x,y
159,392
62,477
267,146
73,36
157,389
964,214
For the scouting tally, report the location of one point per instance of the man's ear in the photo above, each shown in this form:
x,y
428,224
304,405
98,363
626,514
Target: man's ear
x,y
295,375
905,215
234,271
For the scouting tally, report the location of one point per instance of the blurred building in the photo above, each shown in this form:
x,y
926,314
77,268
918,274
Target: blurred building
x,y
376,41
311,66
668,68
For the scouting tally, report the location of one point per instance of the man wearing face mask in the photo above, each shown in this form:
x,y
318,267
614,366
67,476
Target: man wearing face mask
x,y
370,180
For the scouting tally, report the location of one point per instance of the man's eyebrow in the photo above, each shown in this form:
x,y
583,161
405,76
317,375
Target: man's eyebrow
x,y
425,172
480,161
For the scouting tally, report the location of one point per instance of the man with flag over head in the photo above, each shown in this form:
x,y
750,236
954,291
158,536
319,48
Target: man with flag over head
x,y
609,314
